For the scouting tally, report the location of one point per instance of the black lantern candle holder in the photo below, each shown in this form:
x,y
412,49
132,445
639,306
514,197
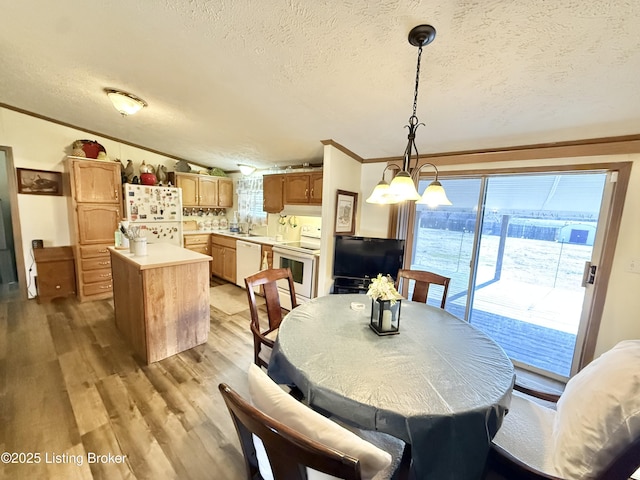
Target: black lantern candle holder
x,y
385,316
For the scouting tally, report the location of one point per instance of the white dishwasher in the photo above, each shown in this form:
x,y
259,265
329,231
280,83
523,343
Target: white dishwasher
x,y
247,260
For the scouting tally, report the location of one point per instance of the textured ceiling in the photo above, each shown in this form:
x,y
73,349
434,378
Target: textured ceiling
x,y
241,81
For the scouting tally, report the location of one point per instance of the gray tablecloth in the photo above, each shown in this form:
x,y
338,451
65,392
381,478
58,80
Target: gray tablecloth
x,y
440,384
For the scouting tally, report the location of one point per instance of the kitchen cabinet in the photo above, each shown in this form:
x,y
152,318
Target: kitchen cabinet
x,y
161,300
303,188
95,210
273,193
315,181
94,272
223,251
225,192
97,223
203,190
56,273
96,182
199,243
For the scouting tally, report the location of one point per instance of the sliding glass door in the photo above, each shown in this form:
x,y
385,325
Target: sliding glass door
x,y
515,247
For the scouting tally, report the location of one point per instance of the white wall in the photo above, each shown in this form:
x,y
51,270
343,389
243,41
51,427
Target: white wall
x,y
340,172
43,145
620,319
374,219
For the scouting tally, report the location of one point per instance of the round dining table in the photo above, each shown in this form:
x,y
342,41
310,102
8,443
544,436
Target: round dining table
x,y
440,384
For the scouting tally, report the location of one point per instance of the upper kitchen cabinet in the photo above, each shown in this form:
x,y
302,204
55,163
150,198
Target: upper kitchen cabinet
x,y
291,189
272,193
225,192
303,188
96,182
315,181
203,190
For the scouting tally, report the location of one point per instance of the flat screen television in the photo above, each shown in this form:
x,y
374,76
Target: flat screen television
x,y
362,257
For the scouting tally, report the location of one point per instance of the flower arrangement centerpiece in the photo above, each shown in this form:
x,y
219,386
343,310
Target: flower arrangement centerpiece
x,y
385,305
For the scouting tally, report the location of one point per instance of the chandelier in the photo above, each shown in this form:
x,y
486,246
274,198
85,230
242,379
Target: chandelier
x,y
402,186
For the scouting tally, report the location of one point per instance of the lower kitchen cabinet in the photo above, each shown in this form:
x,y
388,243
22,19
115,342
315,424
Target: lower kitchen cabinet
x,y
199,243
94,278
223,251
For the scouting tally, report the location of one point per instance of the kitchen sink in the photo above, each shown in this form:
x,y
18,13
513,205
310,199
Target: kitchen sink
x,y
258,238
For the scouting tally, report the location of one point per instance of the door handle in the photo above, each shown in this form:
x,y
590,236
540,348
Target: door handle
x,y
589,274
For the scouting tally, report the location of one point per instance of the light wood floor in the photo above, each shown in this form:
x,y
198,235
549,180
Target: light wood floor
x,y
70,387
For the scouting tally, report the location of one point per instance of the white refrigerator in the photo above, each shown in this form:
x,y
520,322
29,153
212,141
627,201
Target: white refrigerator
x,y
156,211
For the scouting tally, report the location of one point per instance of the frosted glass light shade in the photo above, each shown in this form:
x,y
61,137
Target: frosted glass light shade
x,y
381,195
402,187
434,195
125,103
246,169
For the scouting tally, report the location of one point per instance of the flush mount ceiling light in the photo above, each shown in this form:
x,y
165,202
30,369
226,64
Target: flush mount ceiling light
x,y
125,103
402,186
246,169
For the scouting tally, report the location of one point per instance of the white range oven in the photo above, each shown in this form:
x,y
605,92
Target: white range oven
x,y
302,258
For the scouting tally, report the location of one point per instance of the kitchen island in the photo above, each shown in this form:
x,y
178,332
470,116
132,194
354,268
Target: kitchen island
x,y
161,300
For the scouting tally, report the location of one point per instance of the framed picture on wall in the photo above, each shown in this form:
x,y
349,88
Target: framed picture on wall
x,y
346,203
39,182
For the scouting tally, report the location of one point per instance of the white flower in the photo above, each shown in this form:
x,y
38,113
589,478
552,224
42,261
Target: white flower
x,y
382,288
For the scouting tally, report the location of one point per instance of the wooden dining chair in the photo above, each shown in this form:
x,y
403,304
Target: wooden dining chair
x,y
288,452
593,432
422,281
282,438
264,338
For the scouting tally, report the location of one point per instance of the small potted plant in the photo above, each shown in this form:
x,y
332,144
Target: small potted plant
x,y
385,306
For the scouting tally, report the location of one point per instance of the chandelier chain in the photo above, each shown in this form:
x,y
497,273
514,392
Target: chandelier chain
x,y
415,92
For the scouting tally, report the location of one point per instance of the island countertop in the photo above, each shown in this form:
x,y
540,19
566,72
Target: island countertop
x,y
161,300
161,255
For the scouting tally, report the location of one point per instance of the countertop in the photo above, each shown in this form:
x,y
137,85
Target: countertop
x,y
161,255
240,236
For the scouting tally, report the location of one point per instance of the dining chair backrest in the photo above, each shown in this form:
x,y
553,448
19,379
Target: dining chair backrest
x,y
422,281
289,452
268,280
593,432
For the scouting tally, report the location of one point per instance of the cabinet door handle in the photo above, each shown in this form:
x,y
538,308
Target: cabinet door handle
x,y
58,287
105,287
103,251
115,191
306,193
105,275
103,263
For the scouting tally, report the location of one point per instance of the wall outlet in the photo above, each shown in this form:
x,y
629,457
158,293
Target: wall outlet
x,y
634,265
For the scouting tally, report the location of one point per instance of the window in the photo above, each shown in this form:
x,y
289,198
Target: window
x,y
515,248
249,190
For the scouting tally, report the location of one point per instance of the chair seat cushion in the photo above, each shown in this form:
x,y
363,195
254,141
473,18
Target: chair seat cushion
x,y
381,440
536,447
272,400
598,412
394,446
272,335
265,351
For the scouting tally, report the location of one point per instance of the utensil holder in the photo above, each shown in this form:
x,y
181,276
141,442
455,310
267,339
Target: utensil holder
x,y
139,246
